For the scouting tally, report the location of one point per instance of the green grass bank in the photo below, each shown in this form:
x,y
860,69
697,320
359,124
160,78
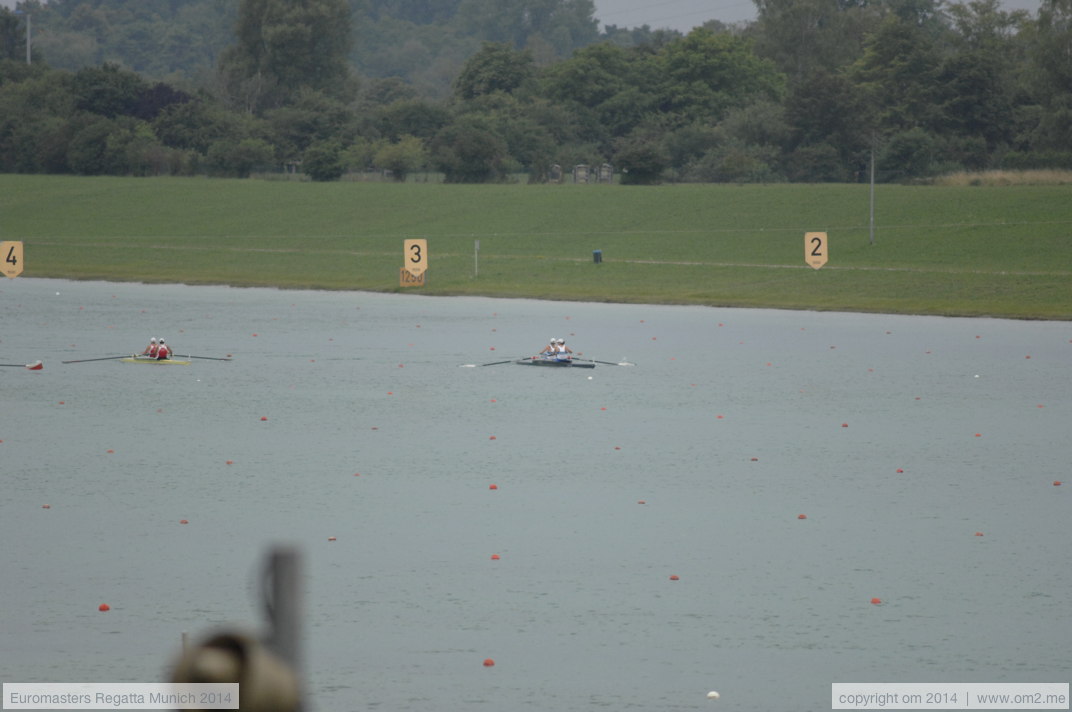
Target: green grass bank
x,y
948,250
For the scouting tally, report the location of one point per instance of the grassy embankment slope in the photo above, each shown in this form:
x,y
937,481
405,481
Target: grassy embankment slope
x,y
952,250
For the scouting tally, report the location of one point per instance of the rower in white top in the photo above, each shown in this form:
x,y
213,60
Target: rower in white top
x,y
563,352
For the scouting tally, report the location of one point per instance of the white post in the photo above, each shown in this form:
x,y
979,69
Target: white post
x,y
872,193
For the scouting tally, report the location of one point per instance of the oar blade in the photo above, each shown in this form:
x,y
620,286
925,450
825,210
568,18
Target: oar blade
x,y
35,366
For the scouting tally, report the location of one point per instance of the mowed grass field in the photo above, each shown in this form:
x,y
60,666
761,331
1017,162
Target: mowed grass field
x,y
949,250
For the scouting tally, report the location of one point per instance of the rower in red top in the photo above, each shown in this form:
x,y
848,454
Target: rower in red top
x,y
150,350
162,351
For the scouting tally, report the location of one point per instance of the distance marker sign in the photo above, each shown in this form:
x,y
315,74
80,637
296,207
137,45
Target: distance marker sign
x,y
415,256
11,254
815,249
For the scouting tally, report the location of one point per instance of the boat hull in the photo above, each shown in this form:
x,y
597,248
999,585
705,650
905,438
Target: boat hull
x,y
155,361
551,363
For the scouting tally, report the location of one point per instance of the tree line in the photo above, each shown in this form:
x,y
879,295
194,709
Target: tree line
x,y
479,90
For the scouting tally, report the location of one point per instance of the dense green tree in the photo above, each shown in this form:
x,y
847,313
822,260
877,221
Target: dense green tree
x,y
196,125
12,35
641,158
323,161
1049,80
827,111
898,71
108,91
467,151
285,46
230,158
804,36
705,75
563,25
401,157
422,119
496,67
977,80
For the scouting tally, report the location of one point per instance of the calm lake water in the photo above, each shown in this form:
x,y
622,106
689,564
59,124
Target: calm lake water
x,y
347,415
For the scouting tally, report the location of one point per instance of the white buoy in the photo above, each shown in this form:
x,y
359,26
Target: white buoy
x,y
712,695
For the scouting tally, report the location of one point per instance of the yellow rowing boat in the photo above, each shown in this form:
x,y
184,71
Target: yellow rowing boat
x,y
156,361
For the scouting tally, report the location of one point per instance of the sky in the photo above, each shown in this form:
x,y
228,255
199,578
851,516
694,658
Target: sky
x,y
683,15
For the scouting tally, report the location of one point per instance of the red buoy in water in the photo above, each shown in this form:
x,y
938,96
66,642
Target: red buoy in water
x,y
104,607
488,662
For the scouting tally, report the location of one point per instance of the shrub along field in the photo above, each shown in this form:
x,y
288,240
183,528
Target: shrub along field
x,y
949,250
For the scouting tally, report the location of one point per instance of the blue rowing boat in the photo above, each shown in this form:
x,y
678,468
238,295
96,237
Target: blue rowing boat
x,y
554,363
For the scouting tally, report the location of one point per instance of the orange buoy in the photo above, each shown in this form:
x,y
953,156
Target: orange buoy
x,y
264,418
978,533
876,601
844,425
491,438
640,501
184,521
494,557
230,462
493,487
49,506
755,459
674,577
900,471
488,662
802,516
111,452
1057,483
331,538
104,607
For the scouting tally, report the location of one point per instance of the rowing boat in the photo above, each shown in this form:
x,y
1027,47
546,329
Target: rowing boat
x,y
156,361
554,363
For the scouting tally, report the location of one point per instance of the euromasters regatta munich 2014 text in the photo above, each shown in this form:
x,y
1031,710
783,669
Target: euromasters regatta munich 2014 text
x,y
127,699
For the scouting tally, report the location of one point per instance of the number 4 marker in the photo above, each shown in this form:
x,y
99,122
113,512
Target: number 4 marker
x,y
12,254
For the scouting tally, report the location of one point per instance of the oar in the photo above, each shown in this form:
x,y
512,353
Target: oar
x,y
35,366
493,363
211,358
609,363
102,358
